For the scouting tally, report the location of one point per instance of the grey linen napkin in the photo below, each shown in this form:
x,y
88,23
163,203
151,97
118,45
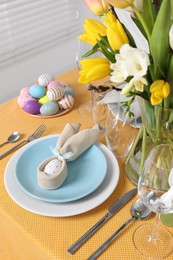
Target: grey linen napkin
x,y
70,144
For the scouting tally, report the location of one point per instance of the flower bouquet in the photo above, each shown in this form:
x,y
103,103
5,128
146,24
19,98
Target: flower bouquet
x,y
147,71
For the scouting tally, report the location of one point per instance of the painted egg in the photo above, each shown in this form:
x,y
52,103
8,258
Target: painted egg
x,y
45,79
54,84
66,102
24,91
53,167
21,100
55,93
69,91
50,108
43,100
32,107
37,91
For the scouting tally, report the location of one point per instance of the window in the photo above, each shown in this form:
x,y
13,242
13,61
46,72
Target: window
x,y
27,26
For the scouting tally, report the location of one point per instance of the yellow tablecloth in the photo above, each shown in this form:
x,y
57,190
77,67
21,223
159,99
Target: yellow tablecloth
x,y
25,235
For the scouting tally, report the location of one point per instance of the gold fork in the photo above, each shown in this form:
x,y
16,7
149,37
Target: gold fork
x,y
37,133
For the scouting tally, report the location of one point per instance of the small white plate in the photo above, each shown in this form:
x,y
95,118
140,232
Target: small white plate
x,y
62,209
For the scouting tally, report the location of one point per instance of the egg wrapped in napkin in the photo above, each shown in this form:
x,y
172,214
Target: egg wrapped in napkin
x,y
71,143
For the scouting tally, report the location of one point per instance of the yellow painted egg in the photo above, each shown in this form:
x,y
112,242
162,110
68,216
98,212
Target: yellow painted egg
x,y
43,100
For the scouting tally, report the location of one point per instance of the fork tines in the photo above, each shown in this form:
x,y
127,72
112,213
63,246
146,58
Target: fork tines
x,y
39,130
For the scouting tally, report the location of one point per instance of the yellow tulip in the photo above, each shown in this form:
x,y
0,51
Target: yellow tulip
x,y
93,31
121,3
98,7
159,90
93,69
115,32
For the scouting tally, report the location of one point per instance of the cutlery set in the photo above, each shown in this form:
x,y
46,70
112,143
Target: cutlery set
x,y
12,138
138,211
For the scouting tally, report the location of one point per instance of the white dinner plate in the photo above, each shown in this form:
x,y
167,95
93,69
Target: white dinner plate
x,y
62,209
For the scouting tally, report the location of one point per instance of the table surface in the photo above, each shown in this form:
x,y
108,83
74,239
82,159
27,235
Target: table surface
x,y
25,235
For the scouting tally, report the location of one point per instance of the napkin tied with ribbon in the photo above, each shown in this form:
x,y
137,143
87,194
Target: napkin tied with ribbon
x,y
71,143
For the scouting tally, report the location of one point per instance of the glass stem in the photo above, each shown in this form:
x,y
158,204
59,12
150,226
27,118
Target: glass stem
x,y
154,233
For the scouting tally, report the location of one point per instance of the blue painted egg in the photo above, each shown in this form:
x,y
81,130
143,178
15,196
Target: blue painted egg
x,y
69,91
37,91
32,107
49,108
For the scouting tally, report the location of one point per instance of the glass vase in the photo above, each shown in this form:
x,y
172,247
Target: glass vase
x,y
157,128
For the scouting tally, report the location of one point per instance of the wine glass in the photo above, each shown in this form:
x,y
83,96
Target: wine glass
x,y
154,187
84,109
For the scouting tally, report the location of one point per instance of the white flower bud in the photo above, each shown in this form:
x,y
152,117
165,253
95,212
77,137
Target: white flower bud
x,y
171,37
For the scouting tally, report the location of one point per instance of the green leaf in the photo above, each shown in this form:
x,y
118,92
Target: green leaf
x,y
149,14
108,55
140,27
159,43
170,72
89,53
92,51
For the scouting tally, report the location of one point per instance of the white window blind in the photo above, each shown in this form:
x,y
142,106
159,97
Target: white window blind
x,y
27,26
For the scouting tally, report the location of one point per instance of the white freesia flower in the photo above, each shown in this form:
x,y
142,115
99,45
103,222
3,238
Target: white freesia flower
x,y
137,81
130,62
171,37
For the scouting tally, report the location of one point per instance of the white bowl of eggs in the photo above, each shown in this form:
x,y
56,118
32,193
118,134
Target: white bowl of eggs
x,y
46,98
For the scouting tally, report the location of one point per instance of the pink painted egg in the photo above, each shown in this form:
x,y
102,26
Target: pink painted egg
x,y
45,79
32,107
55,94
21,100
24,91
66,102
54,84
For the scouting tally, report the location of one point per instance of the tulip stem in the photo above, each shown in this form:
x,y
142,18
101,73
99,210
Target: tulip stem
x,y
138,14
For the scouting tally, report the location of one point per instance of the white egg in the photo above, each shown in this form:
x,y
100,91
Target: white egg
x,y
45,79
56,93
53,167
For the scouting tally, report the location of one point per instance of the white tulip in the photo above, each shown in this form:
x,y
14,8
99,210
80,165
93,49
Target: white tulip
x,y
138,4
171,37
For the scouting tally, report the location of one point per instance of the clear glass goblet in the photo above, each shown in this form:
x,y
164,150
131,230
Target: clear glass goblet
x,y
154,187
84,109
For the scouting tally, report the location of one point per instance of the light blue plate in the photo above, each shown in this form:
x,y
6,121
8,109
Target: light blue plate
x,y
85,174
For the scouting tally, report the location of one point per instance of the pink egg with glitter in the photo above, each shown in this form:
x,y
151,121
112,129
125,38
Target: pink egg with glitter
x,y
22,99
54,84
66,102
24,91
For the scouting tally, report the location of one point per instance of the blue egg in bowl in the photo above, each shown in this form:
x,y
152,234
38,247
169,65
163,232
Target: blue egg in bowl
x,y
37,91
49,108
